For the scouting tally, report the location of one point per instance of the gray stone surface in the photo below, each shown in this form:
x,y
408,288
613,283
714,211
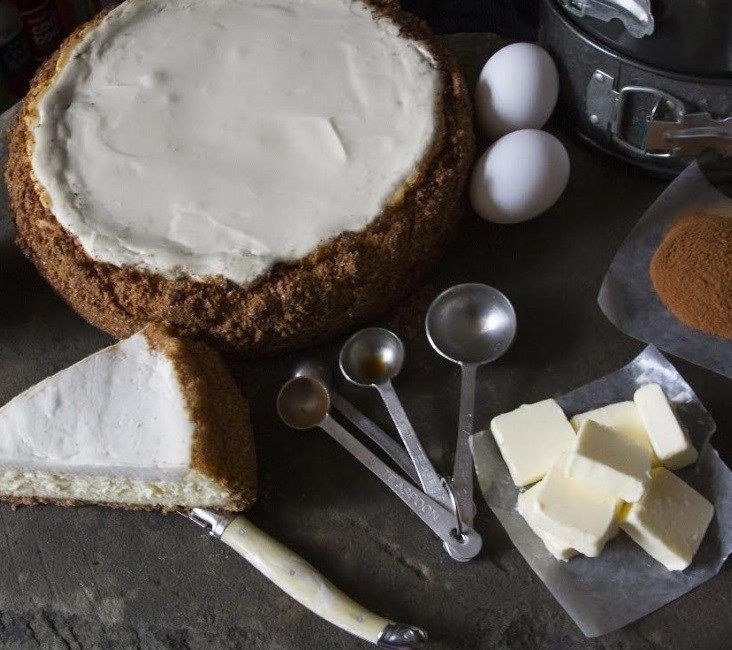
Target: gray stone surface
x,y
91,577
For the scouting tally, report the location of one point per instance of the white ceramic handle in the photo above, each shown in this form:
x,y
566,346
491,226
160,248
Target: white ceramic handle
x,y
300,580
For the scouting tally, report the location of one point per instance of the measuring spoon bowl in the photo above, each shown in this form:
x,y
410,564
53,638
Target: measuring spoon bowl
x,y
371,357
471,323
303,403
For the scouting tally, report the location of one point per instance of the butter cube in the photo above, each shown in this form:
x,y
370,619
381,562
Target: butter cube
x,y
670,520
531,438
584,518
623,417
669,441
526,507
604,459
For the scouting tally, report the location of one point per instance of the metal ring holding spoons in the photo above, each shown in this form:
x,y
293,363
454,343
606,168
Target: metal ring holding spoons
x,y
458,522
469,324
303,403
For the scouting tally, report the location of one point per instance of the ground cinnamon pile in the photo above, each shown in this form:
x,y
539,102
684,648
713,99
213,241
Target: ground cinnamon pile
x,y
692,272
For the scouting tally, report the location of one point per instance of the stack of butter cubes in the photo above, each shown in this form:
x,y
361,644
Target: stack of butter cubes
x,y
605,470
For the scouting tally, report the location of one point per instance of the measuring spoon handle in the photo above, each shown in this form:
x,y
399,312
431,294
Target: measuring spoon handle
x,y
395,451
437,518
429,479
462,471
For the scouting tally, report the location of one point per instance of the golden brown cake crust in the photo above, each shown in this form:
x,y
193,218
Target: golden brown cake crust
x,y
223,444
346,281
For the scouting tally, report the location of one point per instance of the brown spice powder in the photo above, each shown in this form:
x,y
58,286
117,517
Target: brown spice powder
x,y
692,272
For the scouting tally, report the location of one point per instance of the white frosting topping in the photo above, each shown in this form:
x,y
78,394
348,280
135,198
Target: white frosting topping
x,y
206,137
119,411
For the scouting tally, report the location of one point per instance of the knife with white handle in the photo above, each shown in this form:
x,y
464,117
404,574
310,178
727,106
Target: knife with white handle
x,y
301,581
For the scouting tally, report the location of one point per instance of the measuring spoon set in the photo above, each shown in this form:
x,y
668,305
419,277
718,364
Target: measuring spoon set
x,y
470,325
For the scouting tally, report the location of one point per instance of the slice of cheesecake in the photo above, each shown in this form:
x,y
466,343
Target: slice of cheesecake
x,y
154,421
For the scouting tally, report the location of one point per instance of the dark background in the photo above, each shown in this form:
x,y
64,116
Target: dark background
x,y
513,18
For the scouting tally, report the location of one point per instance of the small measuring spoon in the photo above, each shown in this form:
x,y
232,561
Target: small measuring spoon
x,y
372,357
469,324
318,370
303,403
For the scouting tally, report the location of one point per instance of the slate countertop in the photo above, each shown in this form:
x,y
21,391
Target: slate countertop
x,y
91,577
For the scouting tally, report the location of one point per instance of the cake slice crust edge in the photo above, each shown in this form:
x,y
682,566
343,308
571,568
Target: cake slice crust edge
x,y
223,444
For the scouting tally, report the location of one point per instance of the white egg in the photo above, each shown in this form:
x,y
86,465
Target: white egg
x,y
520,176
517,89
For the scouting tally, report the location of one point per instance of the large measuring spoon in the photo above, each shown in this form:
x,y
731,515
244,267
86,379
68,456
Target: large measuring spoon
x,y
318,370
372,357
469,324
304,402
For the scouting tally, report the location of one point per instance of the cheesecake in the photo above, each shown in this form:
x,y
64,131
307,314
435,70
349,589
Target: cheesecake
x,y
261,174
152,422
